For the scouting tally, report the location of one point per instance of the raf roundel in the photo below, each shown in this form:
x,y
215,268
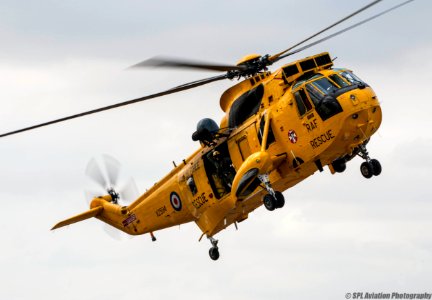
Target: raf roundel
x,y
292,136
175,201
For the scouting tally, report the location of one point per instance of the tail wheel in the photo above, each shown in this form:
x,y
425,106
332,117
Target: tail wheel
x,y
214,253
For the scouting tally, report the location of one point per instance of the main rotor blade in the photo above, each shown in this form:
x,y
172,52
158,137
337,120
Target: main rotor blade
x,y
166,62
277,56
345,30
179,88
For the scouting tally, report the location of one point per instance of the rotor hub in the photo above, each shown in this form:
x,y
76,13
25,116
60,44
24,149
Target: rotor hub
x,y
248,59
114,195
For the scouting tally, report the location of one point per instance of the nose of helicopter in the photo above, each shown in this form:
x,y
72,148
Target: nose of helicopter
x,y
363,114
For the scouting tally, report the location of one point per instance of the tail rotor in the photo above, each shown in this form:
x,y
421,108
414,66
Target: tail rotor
x,y
105,172
106,175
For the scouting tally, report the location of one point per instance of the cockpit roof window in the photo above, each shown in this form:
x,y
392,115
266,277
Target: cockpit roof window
x,y
324,85
330,84
338,80
303,79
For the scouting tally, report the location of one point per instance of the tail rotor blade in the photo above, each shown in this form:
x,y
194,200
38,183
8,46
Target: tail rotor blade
x,y
112,167
94,172
112,232
116,234
129,192
107,178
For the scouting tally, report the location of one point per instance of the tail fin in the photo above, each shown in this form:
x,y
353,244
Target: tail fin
x,y
81,217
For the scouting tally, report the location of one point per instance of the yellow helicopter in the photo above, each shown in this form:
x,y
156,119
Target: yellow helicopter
x,y
279,128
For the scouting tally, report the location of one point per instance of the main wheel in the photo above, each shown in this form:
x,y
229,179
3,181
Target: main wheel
x,y
269,202
376,166
280,200
214,253
366,169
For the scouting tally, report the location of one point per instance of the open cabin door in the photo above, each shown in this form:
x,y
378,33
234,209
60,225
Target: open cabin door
x,y
209,187
219,169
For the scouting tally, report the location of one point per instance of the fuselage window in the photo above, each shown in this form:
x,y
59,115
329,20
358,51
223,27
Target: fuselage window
x,y
270,137
245,106
192,186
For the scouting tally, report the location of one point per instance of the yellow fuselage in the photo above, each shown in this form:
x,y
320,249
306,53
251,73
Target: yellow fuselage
x,y
299,141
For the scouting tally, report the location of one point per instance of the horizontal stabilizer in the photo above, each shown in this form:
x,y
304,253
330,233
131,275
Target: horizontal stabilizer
x,y
81,217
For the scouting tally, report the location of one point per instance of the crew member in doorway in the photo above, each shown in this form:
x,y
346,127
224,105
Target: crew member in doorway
x,y
224,169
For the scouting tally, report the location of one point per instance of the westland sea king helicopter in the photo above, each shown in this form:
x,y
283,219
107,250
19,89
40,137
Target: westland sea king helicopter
x,y
279,128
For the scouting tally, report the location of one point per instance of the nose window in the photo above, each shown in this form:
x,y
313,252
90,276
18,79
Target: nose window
x,y
350,77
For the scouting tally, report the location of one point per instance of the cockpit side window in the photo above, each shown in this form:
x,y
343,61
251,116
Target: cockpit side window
x,y
314,93
300,105
302,101
322,92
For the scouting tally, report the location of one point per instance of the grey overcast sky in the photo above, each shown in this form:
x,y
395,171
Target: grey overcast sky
x,y
336,234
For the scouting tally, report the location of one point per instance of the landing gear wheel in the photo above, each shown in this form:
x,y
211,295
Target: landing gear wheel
x,y
366,169
269,202
339,165
376,166
214,253
280,200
